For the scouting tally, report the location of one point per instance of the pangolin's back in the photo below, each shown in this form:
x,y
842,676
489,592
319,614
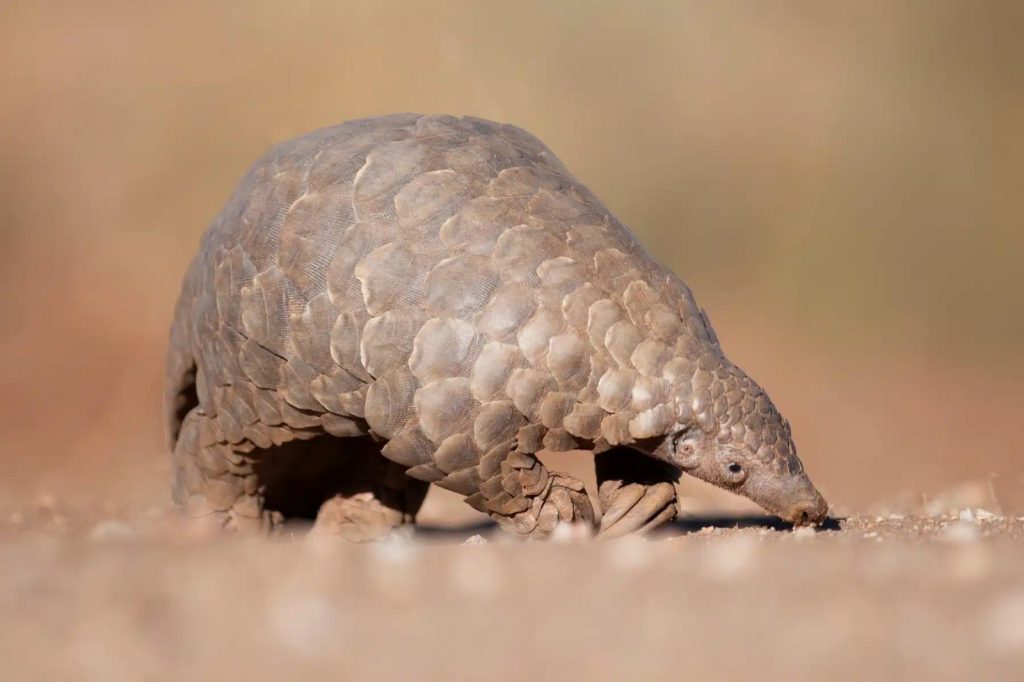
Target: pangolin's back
x,y
443,282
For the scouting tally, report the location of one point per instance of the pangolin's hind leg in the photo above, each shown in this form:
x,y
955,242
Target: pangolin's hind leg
x,y
344,484
636,493
524,497
372,498
217,481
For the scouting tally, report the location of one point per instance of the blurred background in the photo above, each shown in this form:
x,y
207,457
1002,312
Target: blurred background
x,y
840,184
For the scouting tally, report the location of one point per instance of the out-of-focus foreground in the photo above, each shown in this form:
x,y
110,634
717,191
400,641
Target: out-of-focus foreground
x,y
838,182
891,600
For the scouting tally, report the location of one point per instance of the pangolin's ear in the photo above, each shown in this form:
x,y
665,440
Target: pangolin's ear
x,y
684,447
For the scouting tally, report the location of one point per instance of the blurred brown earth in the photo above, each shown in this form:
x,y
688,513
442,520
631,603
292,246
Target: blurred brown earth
x,y
839,183
895,598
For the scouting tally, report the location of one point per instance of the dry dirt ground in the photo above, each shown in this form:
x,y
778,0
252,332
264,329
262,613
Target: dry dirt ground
x,y
109,593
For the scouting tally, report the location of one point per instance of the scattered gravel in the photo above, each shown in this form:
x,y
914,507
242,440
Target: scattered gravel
x,y
142,596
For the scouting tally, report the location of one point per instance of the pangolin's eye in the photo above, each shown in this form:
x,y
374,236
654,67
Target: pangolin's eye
x,y
735,468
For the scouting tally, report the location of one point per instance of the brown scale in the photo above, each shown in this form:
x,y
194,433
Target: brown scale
x,y
413,299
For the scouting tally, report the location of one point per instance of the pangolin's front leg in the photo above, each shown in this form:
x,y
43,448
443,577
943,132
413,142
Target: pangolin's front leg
x,y
636,493
216,481
523,496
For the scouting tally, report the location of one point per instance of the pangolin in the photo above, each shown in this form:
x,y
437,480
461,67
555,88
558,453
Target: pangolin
x,y
411,299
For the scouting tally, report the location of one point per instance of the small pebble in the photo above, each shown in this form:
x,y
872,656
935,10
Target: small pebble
x,y
967,516
571,532
394,549
111,530
961,532
476,540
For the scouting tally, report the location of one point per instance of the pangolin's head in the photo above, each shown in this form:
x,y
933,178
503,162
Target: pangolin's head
x,y
730,434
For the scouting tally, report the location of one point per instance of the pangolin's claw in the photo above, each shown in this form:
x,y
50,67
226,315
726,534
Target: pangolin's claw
x,y
636,508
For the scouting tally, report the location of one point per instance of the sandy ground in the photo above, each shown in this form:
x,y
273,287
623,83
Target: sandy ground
x,y
106,593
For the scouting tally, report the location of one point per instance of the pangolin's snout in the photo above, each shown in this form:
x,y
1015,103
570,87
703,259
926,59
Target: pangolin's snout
x,y
792,498
811,511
